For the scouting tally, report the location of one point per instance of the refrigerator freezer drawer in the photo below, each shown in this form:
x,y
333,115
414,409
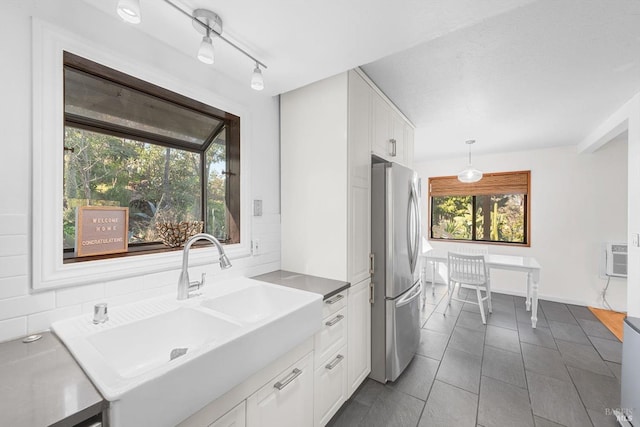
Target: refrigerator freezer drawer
x,y
403,331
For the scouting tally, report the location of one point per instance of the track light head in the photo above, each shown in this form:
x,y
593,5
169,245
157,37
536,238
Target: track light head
x,y
257,81
206,51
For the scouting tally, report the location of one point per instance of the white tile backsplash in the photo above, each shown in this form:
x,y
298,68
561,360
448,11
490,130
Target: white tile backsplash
x,y
14,287
12,224
42,321
13,245
140,283
28,304
11,266
129,298
79,294
22,312
13,328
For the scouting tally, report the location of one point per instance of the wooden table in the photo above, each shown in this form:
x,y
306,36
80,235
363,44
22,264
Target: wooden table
x,y
528,265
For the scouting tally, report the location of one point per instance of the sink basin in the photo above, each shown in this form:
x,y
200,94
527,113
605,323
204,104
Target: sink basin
x,y
254,304
178,356
141,346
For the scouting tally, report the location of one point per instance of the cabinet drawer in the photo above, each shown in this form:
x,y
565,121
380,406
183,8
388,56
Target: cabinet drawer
x,y
330,387
234,418
332,336
334,303
287,400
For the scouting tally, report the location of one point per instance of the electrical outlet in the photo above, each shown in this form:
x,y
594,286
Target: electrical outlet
x,y
255,247
635,240
257,208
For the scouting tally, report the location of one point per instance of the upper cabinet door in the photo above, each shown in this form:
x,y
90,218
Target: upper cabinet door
x,y
382,145
408,145
398,143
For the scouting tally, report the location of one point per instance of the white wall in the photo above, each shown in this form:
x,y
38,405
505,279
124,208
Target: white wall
x,y
22,311
578,202
633,294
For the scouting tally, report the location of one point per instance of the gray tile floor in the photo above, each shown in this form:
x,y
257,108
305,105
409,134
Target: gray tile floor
x,y
564,373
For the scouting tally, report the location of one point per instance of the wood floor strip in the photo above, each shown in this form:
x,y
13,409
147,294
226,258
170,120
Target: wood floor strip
x,y
611,319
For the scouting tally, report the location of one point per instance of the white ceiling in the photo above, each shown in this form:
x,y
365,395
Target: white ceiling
x,y
542,75
513,74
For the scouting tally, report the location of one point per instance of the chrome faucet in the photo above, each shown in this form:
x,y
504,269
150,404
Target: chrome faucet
x,y
184,286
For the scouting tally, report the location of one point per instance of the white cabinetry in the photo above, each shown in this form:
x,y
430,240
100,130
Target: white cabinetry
x,y
359,335
392,137
359,132
331,359
381,144
325,184
330,387
286,401
234,418
329,129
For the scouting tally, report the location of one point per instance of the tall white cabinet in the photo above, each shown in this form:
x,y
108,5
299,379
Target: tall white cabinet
x,y
329,131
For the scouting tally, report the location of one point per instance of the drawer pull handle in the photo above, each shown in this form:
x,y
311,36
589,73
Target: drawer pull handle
x,y
335,320
334,362
288,379
335,299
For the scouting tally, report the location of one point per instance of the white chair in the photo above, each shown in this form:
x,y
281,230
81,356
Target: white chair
x,y
469,271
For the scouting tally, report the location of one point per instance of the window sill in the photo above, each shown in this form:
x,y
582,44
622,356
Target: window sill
x,y
144,249
482,242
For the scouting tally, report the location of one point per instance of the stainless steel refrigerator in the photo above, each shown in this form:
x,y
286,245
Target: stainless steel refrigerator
x,y
395,243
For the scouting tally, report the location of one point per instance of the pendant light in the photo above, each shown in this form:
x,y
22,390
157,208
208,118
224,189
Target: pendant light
x,y
129,11
470,174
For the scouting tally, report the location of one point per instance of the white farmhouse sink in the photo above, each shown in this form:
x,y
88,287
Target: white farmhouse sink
x,y
161,360
254,304
141,346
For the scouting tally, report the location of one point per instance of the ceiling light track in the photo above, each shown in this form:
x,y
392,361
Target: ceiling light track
x,y
205,22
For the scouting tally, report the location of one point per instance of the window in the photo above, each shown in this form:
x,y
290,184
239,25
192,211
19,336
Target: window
x,y
495,209
164,156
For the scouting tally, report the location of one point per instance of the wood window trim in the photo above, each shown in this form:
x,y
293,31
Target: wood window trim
x,y
513,182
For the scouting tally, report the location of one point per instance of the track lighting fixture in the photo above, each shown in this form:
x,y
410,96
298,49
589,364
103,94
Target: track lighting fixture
x,y
207,23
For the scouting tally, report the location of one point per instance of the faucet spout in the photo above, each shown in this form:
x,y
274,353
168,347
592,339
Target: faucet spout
x,y
183,282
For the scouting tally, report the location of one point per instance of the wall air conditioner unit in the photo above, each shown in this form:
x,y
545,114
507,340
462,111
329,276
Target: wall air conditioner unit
x,y
616,261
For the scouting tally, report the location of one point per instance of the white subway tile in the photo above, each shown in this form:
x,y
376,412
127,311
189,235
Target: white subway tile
x,y
11,266
42,321
14,287
28,304
13,245
140,283
13,328
13,224
118,300
79,294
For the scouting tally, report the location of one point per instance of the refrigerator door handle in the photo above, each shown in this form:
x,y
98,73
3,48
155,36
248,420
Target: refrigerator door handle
x,y
413,228
410,296
416,236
